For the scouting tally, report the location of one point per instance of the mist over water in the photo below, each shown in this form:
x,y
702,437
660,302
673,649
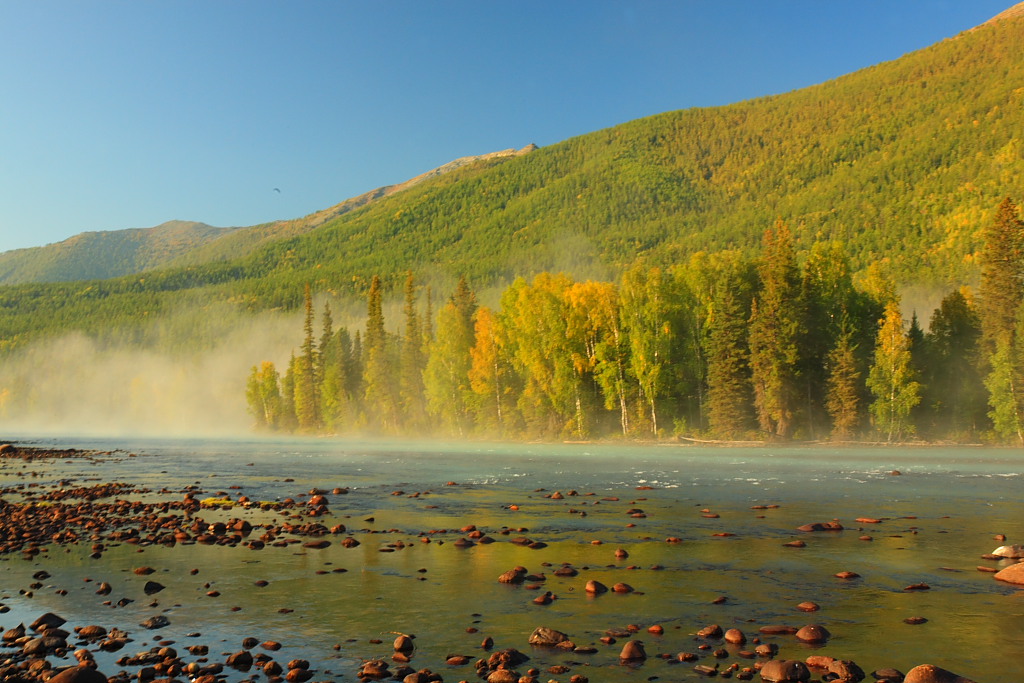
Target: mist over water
x,y
191,386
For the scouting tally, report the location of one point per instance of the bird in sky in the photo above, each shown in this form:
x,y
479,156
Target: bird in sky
x,y
277,190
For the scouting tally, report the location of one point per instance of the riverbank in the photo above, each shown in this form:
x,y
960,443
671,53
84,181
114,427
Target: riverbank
x,y
331,563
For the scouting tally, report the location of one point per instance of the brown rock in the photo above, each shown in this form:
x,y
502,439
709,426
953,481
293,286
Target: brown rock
x,y
47,621
1013,574
547,637
847,671
735,636
712,631
622,588
91,631
241,660
821,526
785,671
808,606
503,676
596,587
514,575
403,643
79,674
929,673
819,661
298,675
813,633
633,651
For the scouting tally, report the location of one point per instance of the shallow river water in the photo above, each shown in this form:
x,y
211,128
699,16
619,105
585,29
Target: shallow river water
x,y
938,516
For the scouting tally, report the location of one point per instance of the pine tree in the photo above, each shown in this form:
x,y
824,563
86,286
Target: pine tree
x,y
335,395
381,395
953,388
843,398
307,403
323,347
891,379
411,363
1001,290
831,307
728,370
775,322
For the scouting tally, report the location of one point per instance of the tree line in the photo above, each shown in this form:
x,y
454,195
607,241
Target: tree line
x,y
782,346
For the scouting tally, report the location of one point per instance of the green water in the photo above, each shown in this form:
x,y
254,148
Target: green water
x,y
958,500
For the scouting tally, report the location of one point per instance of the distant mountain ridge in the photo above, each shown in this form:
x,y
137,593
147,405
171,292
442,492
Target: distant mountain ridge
x,y
106,253
114,253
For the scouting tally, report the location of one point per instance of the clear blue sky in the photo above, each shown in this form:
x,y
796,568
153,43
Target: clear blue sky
x,y
120,114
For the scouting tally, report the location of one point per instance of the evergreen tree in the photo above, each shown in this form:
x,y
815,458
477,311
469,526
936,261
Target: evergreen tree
x,y
411,362
891,379
307,408
843,398
465,302
379,385
831,307
1001,290
337,407
728,369
775,324
953,388
323,347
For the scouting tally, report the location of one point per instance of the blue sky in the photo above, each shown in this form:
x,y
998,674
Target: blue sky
x,y
122,114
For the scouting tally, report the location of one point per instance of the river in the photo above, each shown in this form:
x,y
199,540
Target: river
x,y
731,509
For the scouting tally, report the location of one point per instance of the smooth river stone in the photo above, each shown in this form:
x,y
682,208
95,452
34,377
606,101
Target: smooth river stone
x,y
1012,574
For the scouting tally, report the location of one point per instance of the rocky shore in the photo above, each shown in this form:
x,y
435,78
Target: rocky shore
x,y
88,520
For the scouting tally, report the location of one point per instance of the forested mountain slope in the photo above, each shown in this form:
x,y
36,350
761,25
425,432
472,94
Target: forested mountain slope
x,y
904,161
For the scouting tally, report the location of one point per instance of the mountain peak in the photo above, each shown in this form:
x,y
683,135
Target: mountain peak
x,y
1011,13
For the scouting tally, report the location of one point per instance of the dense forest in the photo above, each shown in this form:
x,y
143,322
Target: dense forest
x,y
903,162
783,346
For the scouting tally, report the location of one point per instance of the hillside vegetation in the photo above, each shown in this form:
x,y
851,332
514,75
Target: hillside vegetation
x,y
904,162
107,253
